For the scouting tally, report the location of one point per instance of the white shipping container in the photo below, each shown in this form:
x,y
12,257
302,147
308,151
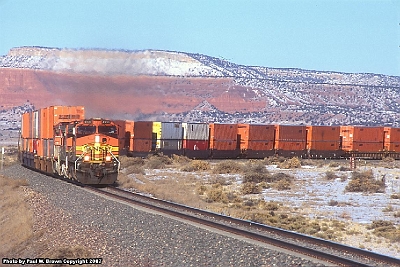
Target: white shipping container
x,y
36,124
195,131
170,144
171,131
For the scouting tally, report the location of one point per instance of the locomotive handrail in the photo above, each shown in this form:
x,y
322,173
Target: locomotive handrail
x,y
115,158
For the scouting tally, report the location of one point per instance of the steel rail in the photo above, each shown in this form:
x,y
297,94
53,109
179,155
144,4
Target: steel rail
x,y
255,231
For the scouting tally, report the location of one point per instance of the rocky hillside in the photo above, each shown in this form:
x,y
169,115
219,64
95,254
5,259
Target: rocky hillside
x,y
166,85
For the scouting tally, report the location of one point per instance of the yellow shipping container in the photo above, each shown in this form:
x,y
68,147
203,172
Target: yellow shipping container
x,y
157,134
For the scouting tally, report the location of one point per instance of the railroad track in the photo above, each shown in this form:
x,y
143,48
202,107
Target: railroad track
x,y
328,251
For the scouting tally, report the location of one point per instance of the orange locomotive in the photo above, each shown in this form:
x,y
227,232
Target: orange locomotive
x,y
58,140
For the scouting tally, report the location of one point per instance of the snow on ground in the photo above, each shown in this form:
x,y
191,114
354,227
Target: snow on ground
x,y
314,192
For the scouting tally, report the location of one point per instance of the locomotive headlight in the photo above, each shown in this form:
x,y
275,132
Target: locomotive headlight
x,y
86,158
108,158
97,139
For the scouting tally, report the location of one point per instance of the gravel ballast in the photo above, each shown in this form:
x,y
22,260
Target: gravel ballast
x,y
126,236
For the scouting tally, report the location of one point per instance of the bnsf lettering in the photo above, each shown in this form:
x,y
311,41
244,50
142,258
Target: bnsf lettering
x,y
70,116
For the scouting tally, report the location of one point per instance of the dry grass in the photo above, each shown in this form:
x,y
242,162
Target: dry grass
x,y
178,188
330,175
274,160
10,156
255,172
129,161
196,165
204,184
15,217
365,182
228,166
292,163
219,194
385,229
18,238
395,196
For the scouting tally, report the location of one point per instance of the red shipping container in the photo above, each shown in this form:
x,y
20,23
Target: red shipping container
x,y
224,145
143,129
256,137
223,136
290,137
142,145
195,144
125,135
323,138
362,138
392,139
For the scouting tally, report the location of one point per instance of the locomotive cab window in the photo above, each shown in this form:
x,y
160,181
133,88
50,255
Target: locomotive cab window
x,y
108,130
85,130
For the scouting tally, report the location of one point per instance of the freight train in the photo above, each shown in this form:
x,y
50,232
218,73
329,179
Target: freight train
x,y
223,141
58,140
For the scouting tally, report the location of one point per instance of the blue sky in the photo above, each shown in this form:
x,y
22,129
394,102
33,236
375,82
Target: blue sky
x,y
347,36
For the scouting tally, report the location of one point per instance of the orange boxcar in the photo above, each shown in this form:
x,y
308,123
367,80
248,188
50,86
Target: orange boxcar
x,y
362,138
290,140
256,141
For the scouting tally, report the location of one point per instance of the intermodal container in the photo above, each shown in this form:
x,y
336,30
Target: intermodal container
x,y
156,135
195,140
392,139
46,126
125,135
142,136
171,144
46,118
143,129
223,136
66,114
38,126
195,144
290,139
27,144
169,135
323,138
171,131
142,145
195,131
26,131
256,137
362,138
